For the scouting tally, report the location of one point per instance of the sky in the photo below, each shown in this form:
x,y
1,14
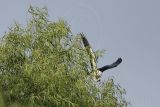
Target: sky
x,y
124,28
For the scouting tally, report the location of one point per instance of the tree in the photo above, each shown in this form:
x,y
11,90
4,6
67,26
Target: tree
x,y
43,64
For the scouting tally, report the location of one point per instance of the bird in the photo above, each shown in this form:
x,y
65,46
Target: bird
x,y
97,72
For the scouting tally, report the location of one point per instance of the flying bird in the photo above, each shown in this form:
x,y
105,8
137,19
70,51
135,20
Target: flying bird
x,y
97,72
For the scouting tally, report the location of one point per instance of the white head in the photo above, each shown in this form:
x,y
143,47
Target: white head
x,y
97,75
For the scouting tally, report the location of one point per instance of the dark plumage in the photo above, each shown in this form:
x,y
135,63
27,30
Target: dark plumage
x,y
85,41
106,67
89,51
97,72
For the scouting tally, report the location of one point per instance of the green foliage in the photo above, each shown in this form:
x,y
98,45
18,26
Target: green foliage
x,y
44,65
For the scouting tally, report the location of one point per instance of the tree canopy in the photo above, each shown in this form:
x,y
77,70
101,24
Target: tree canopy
x,y
44,64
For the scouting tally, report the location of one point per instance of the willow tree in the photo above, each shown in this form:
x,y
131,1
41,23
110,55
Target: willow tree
x,y
43,64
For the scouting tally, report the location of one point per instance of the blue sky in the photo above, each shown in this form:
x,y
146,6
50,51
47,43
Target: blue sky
x,y
125,28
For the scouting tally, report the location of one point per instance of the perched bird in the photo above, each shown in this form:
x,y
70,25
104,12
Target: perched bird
x,y
96,72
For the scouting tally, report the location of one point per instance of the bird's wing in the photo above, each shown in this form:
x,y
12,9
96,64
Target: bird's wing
x,y
115,64
89,51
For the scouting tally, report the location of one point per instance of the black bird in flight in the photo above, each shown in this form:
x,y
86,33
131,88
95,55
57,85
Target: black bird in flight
x,y
97,72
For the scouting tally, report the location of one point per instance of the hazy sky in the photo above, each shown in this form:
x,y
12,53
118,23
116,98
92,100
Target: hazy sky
x,y
125,28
